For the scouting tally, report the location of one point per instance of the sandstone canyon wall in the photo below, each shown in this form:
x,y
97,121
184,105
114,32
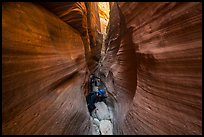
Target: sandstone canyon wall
x,y
44,59
84,17
103,9
152,67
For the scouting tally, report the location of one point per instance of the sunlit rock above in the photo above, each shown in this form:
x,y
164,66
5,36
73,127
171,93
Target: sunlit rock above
x,y
103,9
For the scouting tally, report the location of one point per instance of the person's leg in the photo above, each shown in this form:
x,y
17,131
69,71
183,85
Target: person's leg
x,y
91,108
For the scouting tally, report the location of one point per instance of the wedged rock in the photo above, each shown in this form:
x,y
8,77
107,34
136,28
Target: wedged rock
x,y
102,112
96,122
95,130
106,127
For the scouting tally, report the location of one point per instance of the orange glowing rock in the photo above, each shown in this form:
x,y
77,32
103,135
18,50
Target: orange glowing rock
x,y
103,10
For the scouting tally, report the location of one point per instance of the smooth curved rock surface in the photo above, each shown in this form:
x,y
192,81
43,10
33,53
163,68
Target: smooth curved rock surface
x,y
44,72
153,67
84,17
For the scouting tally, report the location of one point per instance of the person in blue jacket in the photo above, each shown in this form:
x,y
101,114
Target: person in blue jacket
x,y
94,97
102,95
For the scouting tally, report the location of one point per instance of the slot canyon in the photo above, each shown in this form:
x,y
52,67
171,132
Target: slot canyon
x,y
148,55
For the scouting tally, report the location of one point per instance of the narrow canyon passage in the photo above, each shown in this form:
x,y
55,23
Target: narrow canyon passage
x,y
147,54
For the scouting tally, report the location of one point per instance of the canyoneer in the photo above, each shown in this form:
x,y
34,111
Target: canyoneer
x,y
94,97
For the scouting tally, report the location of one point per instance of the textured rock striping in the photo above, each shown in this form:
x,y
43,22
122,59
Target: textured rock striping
x,y
44,69
154,68
84,17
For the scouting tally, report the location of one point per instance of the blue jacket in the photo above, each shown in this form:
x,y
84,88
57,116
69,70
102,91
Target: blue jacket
x,y
91,98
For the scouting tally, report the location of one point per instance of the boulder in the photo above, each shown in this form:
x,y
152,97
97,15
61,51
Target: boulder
x,y
96,122
106,127
102,112
95,130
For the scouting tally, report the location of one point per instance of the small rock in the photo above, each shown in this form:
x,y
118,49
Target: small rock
x,y
93,114
106,127
95,88
96,122
102,112
95,130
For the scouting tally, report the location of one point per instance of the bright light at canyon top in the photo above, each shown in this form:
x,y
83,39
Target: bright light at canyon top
x,y
103,8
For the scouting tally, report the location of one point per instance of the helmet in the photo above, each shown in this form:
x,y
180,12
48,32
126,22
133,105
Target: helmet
x,y
101,92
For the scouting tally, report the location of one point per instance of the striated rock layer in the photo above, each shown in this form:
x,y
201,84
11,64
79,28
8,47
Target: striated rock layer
x,y
104,15
152,67
84,17
44,68
103,10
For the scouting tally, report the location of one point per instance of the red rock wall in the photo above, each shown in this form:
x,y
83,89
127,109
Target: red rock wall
x,y
44,65
95,35
152,67
83,16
